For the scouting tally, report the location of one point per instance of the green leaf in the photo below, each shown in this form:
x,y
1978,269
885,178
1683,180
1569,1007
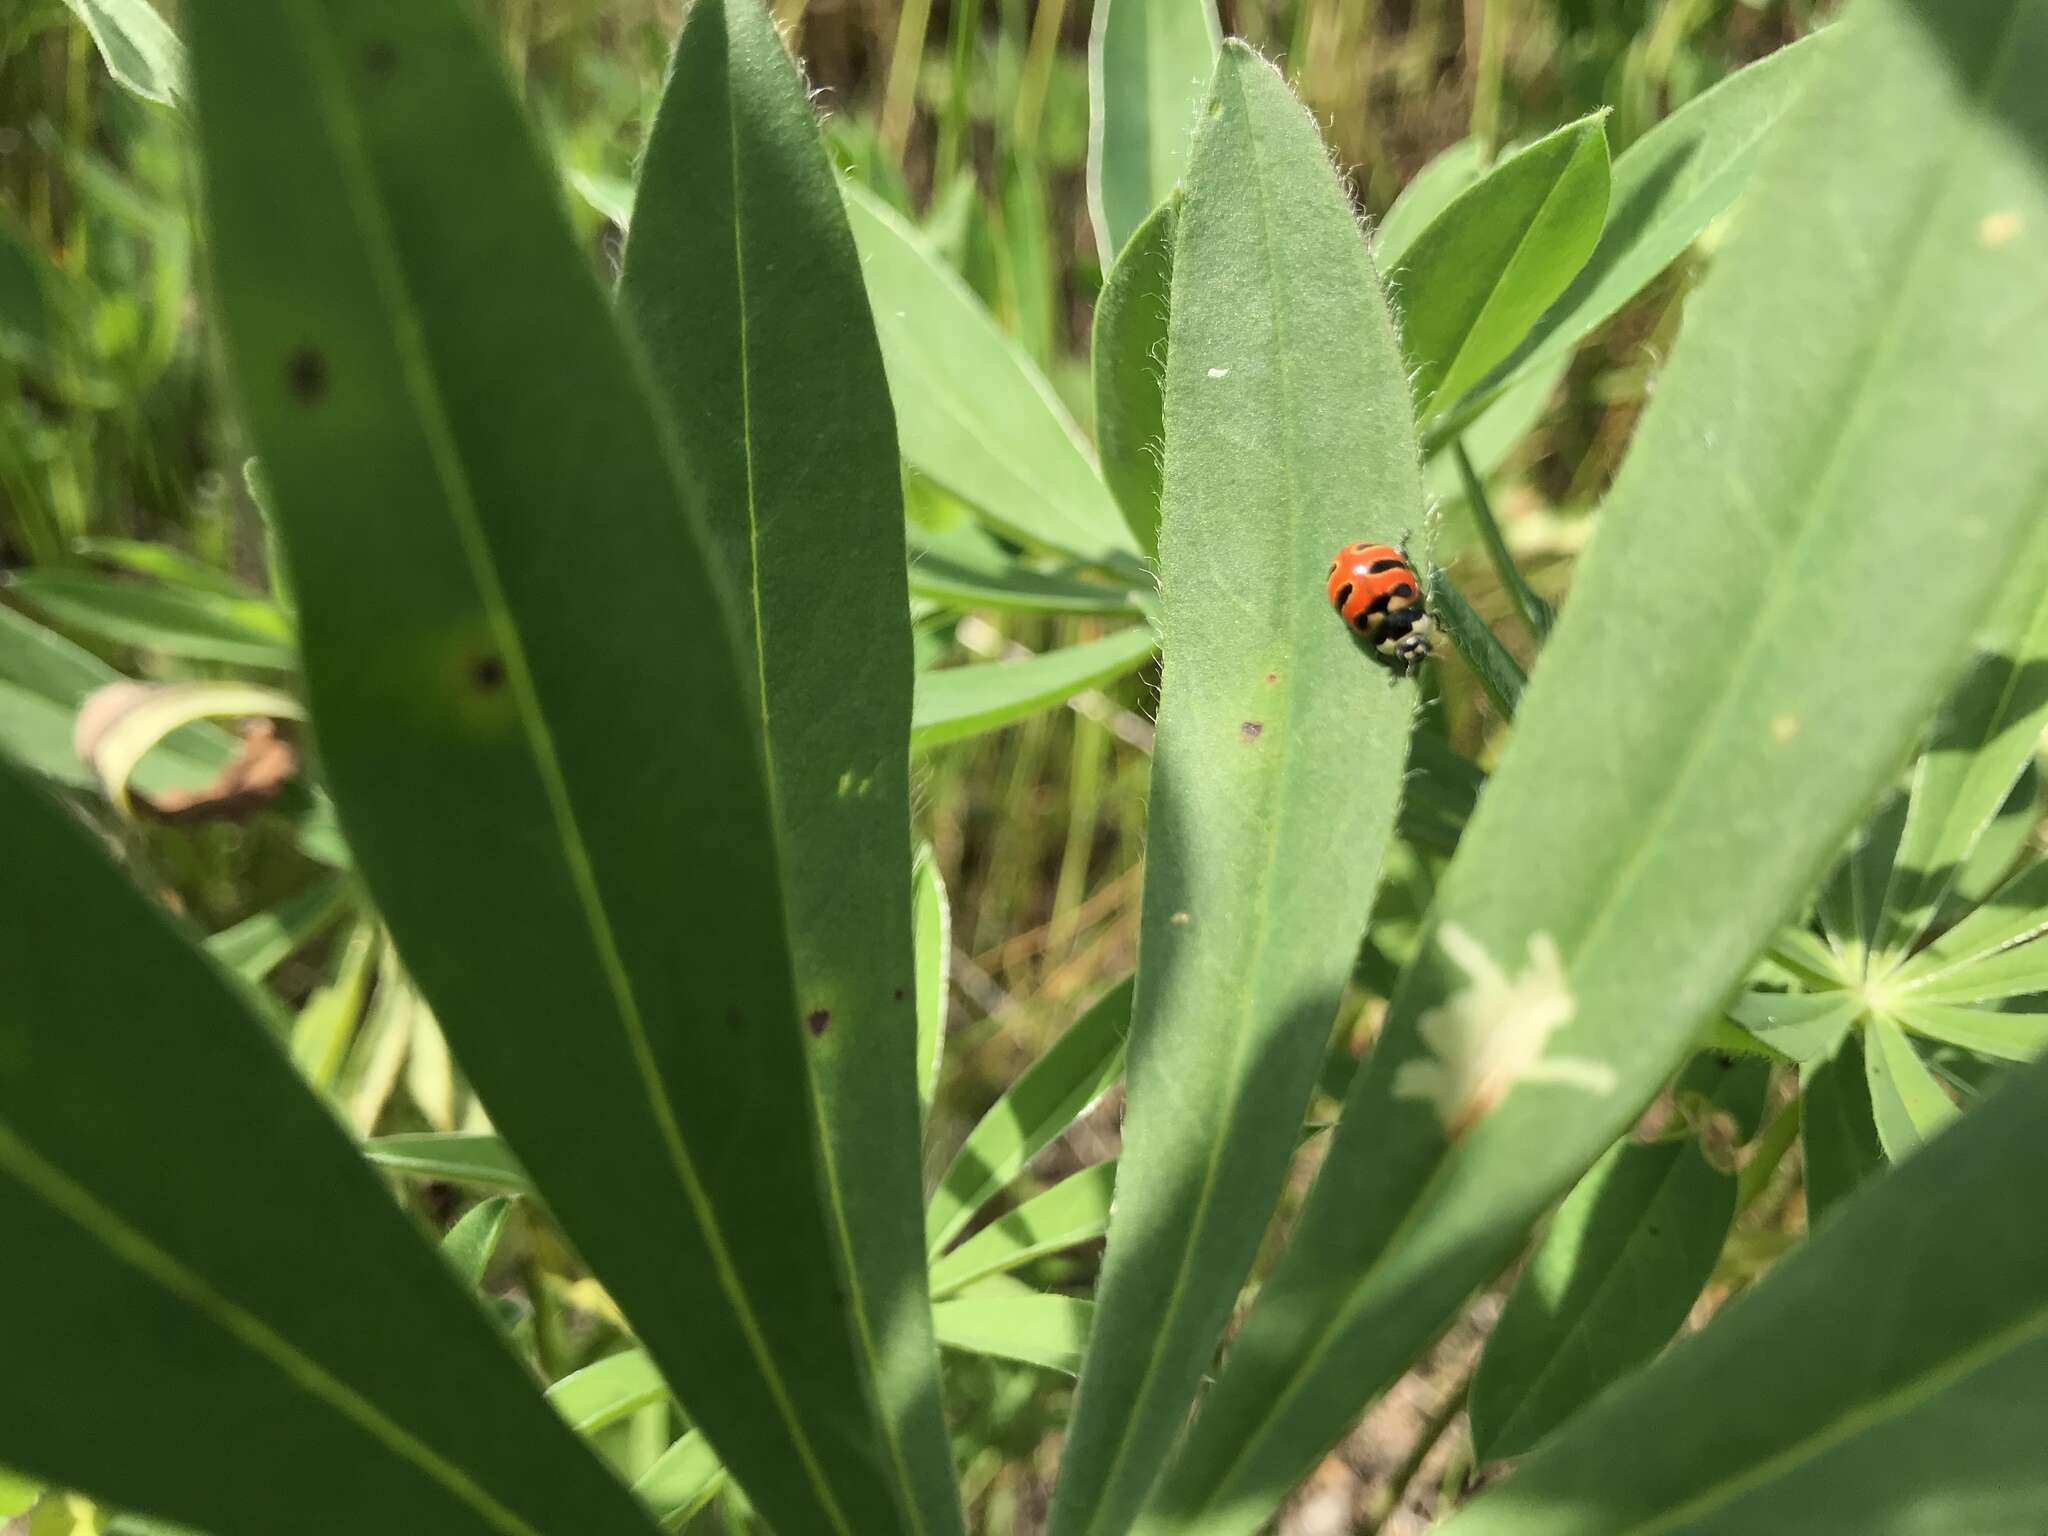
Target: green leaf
x,y
1537,616
194,626
586,895
1473,283
1079,1068
1673,789
1623,1262
1983,741
1988,955
964,567
1987,1031
1807,1407
471,1242
1279,762
259,943
17,1494
957,702
1051,1331
1906,1103
931,921
173,567
463,1158
1427,194
1805,1027
1128,351
972,412
1149,63
1498,672
207,1281
1075,1210
1666,188
1836,1128
326,1025
139,47
1439,792
686,1477
602,1394
743,284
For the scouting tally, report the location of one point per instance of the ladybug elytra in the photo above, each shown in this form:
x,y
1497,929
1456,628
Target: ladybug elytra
x,y
1375,590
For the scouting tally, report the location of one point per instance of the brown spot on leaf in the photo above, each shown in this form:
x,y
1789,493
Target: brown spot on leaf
x,y
819,1021
1272,678
1251,730
380,59
487,673
900,993
305,374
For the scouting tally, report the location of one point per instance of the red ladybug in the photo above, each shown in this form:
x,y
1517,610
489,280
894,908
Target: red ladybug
x,y
1375,590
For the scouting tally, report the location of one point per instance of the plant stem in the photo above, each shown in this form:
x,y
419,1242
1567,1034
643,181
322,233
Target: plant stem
x,y
1535,613
1492,64
953,125
906,60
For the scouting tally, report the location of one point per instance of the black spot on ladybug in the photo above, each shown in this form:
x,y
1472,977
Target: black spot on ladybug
x,y
487,673
305,374
1363,623
1343,595
819,1021
1384,565
1251,730
380,59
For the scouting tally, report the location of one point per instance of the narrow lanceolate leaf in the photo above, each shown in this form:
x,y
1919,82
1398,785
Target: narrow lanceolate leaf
x,y
683,1479
1983,742
931,920
1672,790
208,1279
614,1388
195,626
743,285
1075,1210
473,1241
466,1159
1483,272
1128,351
1666,188
586,894
1807,1407
965,566
1149,63
972,411
140,49
1427,194
1498,671
1621,1266
1051,1331
258,944
1836,1130
1995,952
1280,754
1081,1066
1987,1031
1906,1102
957,702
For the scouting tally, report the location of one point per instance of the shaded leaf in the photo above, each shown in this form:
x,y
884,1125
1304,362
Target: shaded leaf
x,y
191,625
957,702
472,1241
467,1159
1836,1129
139,47
1128,351
1075,1210
1149,63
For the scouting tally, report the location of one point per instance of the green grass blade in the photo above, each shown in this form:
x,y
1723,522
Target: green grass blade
x,y
1075,1210
1472,284
1149,63
467,1159
957,702
965,567
1906,1103
1987,1031
189,625
258,944
1666,188
972,411
1672,790
1080,1067
1280,754
931,920
1613,1279
742,283
1836,1128
1498,672
1984,740
1808,1407
1051,1331
614,1388
1128,353
686,1477
586,894
183,1197
1535,613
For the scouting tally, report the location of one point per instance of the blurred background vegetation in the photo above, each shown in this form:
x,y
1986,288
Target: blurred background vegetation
x,y
972,117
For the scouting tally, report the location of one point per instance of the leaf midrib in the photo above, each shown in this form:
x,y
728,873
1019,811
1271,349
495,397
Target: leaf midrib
x,y
1779,590
335,108
75,1203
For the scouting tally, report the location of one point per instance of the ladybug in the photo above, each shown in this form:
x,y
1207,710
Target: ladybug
x,y
1375,590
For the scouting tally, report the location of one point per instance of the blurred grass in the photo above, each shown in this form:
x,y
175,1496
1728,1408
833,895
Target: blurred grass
x,y
971,115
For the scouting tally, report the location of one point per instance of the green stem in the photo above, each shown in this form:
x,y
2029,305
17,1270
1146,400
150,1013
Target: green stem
x,y
906,60
1535,613
953,125
1486,90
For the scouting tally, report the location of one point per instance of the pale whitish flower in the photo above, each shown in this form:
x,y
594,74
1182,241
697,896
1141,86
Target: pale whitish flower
x,y
1490,1036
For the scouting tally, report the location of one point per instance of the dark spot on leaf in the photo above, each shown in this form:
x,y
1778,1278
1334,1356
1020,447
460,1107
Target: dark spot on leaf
x,y
899,994
819,1021
1272,677
1251,730
487,673
305,373
380,59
